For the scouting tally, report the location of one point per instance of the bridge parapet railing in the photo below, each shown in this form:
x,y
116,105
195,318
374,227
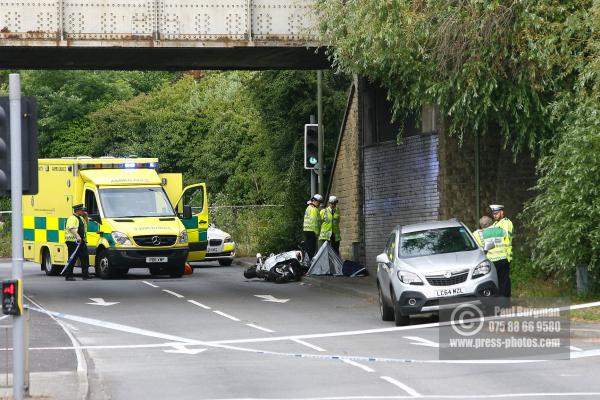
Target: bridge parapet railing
x,y
158,22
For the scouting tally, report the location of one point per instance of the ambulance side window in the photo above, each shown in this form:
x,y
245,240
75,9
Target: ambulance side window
x,y
195,198
91,204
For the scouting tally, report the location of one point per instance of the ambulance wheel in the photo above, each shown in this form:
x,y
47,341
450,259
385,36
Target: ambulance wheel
x,y
156,271
177,271
122,271
103,267
225,262
49,269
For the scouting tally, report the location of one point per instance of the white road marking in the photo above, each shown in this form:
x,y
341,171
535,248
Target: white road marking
x,y
231,317
4,316
82,368
179,339
173,293
412,392
312,346
270,298
99,301
260,328
199,304
358,365
575,348
150,284
475,396
379,330
182,349
421,341
73,328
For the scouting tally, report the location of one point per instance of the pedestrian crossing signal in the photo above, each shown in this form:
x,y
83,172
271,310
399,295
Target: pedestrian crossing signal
x,y
11,297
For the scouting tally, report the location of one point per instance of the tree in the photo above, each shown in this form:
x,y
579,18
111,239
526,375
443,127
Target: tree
x,y
486,64
564,216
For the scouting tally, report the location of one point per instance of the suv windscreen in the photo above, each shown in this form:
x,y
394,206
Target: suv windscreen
x,y
435,241
135,202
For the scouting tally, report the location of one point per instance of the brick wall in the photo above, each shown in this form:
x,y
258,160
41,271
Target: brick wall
x,y
346,182
400,187
502,179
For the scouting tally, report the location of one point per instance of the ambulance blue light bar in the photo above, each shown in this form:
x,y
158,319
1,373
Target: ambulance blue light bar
x,y
125,165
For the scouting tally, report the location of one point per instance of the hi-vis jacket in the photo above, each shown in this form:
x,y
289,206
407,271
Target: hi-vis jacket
x,y
331,224
501,233
312,219
73,222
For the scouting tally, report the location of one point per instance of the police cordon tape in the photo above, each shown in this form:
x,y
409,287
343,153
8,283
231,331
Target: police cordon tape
x,y
226,344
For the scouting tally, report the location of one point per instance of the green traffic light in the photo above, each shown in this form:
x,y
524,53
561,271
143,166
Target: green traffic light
x,y
312,160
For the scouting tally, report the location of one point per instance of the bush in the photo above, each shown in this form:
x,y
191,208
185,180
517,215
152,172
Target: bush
x,y
259,229
564,216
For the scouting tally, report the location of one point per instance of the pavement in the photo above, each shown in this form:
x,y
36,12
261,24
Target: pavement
x,y
216,335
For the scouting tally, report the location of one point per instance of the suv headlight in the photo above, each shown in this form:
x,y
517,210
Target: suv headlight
x,y
183,237
409,278
227,239
121,238
482,269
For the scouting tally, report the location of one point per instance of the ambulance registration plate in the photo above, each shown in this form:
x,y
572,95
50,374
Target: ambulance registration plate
x,y
157,259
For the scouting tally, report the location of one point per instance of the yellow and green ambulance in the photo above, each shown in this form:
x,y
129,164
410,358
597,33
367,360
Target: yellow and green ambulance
x,y
138,218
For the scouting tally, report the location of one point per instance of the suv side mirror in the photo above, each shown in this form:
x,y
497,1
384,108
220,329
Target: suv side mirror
x,y
187,211
382,259
488,245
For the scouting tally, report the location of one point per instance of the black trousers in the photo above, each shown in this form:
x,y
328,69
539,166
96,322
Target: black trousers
x,y
503,270
82,255
335,244
310,243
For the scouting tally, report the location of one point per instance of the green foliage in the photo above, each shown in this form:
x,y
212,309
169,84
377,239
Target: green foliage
x,y
486,64
66,97
565,214
240,132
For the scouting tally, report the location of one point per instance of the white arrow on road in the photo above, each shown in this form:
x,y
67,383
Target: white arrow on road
x,y
99,301
181,349
422,341
268,297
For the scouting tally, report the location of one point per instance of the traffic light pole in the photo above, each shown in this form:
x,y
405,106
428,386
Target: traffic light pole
x,y
16,187
320,122
313,174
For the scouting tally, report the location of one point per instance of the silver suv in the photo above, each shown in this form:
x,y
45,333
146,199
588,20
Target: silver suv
x,y
423,263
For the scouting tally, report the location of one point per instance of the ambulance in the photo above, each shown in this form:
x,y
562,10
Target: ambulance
x,y
137,217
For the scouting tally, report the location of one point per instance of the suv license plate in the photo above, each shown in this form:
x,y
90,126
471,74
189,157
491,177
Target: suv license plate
x,y
212,249
449,292
157,259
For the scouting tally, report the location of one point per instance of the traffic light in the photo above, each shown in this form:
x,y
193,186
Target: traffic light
x,y
29,145
11,297
311,146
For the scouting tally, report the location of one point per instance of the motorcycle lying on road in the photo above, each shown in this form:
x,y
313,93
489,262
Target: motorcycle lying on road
x,y
284,267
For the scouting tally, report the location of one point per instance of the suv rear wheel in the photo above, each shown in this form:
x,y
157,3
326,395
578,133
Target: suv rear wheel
x,y
387,312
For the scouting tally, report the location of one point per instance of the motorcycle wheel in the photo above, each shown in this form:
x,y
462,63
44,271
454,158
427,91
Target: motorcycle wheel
x,y
282,273
250,273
